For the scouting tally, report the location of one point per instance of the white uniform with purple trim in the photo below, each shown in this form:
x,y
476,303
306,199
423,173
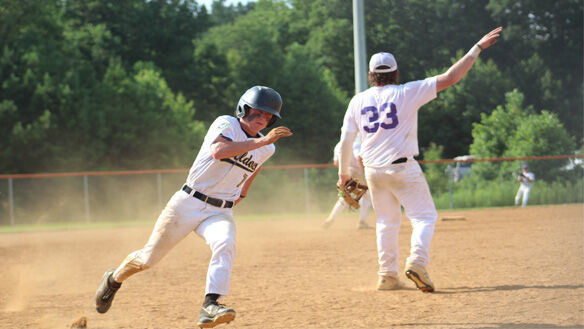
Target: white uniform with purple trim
x,y
524,189
220,179
387,119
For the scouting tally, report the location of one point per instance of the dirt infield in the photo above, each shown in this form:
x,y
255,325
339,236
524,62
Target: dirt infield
x,y
497,268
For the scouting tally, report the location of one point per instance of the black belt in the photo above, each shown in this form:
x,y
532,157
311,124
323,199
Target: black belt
x,y
400,160
207,199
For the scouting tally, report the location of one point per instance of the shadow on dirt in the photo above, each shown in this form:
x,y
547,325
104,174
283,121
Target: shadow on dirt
x,y
459,290
493,325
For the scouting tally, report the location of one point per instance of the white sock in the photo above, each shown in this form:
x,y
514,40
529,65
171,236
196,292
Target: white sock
x,y
337,209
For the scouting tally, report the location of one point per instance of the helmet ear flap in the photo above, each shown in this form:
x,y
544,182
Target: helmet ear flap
x,y
272,121
241,110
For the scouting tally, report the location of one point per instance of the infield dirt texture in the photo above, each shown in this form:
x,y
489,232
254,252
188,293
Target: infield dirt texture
x,y
499,268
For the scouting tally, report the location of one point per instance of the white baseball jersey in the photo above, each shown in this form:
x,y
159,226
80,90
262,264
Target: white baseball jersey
x,y
183,214
387,119
527,183
225,178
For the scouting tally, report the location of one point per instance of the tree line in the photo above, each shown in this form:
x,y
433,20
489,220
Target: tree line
x,y
104,84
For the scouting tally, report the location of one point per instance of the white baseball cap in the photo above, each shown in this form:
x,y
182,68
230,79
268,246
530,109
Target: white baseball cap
x,y
382,63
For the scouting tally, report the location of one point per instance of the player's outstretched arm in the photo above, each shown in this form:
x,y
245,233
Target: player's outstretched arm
x,y
460,68
224,148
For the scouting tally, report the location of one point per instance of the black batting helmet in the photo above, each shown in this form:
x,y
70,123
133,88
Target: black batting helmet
x,y
260,98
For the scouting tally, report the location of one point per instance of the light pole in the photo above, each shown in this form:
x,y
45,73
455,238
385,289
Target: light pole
x,y
359,46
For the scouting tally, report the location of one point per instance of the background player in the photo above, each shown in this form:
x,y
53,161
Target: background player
x,y
356,171
525,178
386,117
230,157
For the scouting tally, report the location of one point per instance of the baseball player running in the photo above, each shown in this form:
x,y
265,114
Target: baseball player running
x,y
230,157
386,117
525,178
356,171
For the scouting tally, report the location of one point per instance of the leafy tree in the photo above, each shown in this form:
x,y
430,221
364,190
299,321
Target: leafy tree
x,y
326,28
515,131
553,31
448,119
141,121
541,134
157,31
312,107
253,54
224,14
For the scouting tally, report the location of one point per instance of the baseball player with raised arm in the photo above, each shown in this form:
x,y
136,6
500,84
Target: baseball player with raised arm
x,y
386,116
525,178
230,157
356,171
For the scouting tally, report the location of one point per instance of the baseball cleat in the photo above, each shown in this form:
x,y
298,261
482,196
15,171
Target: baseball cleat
x,y
388,283
105,293
214,314
418,274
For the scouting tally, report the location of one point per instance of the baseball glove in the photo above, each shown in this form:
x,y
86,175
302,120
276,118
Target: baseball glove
x,y
352,192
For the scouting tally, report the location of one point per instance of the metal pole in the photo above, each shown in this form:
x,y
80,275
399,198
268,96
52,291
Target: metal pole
x,y
159,182
86,190
359,46
451,176
11,198
306,187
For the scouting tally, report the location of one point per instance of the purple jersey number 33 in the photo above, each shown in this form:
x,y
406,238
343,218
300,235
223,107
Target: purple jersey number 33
x,y
373,117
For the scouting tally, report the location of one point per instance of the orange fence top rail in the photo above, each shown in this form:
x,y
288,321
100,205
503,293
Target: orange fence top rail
x,y
299,166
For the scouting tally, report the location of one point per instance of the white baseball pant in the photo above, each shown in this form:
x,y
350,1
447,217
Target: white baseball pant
x,y
523,191
184,214
392,186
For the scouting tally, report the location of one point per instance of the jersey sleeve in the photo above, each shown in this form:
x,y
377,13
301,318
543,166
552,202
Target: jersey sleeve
x,y
222,126
420,92
349,121
336,151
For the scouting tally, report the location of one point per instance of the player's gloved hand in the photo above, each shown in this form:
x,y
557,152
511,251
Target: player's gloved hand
x,y
276,134
343,179
351,192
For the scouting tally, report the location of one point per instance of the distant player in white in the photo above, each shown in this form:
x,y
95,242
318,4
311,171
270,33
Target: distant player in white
x,y
356,170
386,116
229,159
526,179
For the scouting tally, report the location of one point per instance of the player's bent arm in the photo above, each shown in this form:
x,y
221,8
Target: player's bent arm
x,y
463,65
225,148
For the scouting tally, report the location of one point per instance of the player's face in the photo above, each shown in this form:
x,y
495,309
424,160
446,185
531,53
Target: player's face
x,y
257,120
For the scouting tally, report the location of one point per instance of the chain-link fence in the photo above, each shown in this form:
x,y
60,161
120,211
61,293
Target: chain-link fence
x,y
140,196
